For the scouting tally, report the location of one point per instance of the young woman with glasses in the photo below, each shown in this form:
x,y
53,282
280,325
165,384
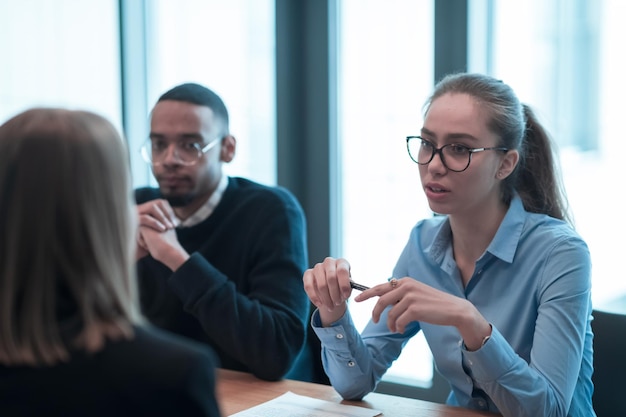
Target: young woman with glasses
x,y
499,281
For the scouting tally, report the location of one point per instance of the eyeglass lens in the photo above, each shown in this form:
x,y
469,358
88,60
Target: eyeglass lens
x,y
454,157
155,152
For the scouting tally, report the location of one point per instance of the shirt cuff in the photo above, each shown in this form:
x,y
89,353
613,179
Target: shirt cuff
x,y
492,360
335,336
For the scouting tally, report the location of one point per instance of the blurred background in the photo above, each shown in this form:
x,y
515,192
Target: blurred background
x,y
322,93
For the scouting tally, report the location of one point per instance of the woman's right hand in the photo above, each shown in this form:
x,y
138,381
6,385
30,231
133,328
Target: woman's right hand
x,y
328,286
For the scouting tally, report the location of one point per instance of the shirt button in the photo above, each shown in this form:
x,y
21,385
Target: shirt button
x,y
481,403
339,336
460,342
351,364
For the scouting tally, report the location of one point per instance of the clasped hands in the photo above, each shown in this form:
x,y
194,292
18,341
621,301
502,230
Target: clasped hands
x,y
328,286
157,234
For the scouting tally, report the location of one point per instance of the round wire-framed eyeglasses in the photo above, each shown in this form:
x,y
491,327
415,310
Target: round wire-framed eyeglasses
x,y
187,152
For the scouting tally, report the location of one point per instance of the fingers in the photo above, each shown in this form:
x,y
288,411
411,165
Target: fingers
x,y
308,280
411,300
328,283
157,214
141,249
378,290
163,246
389,294
343,278
398,317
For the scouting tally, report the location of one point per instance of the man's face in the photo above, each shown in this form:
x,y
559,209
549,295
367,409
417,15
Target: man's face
x,y
177,123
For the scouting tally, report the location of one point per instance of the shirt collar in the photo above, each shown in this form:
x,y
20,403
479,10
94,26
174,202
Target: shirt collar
x,y
207,208
504,243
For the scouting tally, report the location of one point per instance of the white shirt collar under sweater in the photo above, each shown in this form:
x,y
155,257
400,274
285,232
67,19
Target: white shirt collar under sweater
x,y
207,208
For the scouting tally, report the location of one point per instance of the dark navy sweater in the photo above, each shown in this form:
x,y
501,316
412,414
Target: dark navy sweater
x,y
241,290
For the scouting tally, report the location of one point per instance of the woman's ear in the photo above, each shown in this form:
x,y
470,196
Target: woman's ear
x,y
228,148
508,164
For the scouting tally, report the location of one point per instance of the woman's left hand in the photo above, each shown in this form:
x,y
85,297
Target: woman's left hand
x,y
412,300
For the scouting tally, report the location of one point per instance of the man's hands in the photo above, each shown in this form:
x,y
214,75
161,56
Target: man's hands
x,y
157,234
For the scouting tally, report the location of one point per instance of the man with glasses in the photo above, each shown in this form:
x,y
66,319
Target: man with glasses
x,y
220,259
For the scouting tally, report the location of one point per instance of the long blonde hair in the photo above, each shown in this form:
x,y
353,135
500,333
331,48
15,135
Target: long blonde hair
x,y
66,236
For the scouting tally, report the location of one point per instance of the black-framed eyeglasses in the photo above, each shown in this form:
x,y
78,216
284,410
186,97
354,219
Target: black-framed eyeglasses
x,y
186,152
454,156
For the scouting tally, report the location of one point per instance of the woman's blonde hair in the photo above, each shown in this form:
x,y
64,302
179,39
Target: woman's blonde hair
x,y
67,230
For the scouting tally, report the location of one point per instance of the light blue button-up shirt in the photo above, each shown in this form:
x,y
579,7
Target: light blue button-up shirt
x,y
533,285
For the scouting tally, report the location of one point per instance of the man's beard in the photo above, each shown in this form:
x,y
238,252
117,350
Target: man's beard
x,y
179,200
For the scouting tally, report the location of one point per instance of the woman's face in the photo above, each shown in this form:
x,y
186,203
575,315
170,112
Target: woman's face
x,y
459,119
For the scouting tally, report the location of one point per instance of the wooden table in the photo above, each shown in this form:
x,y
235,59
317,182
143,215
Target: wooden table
x,y
237,391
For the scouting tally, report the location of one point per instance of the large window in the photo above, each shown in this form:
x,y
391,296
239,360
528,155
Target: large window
x,y
385,76
227,46
73,60
562,57
60,53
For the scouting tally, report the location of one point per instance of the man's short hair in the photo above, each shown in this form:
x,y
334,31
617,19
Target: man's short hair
x,y
200,95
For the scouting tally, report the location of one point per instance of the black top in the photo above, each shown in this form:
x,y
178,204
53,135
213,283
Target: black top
x,y
241,290
153,374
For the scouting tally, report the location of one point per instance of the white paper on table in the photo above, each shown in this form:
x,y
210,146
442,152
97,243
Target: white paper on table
x,y
294,405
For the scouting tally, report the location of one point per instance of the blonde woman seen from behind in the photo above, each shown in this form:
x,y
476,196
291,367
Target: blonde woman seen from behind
x,y
71,339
